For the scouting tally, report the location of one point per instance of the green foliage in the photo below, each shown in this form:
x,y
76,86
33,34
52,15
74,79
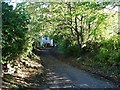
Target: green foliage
x,y
14,30
104,54
72,50
76,27
110,51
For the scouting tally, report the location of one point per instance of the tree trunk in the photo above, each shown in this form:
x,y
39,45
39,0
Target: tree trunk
x,y
77,33
70,12
81,31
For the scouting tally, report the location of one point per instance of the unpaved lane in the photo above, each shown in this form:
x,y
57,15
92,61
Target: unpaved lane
x,y
61,75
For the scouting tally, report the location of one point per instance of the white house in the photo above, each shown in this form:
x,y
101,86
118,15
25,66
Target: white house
x,y
46,41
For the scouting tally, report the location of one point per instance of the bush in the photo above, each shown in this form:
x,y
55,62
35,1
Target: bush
x,y
72,50
103,54
109,51
14,32
114,57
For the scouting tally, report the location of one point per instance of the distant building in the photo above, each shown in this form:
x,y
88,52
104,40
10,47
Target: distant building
x,y
46,41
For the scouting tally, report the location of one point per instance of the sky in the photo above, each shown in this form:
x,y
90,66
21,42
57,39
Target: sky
x,y
13,2
108,8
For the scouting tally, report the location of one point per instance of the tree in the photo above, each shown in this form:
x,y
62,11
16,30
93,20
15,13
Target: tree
x,y
14,31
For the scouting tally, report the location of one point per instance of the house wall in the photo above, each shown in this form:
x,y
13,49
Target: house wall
x,y
45,40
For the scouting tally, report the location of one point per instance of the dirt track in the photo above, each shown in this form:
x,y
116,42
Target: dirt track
x,y
61,75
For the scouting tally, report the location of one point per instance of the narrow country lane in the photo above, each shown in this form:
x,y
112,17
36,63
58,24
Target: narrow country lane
x,y
61,75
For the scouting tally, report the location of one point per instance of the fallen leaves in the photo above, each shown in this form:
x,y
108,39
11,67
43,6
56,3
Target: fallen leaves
x,y
24,70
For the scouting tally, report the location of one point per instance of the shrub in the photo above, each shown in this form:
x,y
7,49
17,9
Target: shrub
x,y
72,50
